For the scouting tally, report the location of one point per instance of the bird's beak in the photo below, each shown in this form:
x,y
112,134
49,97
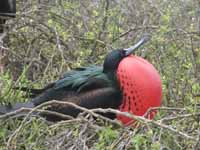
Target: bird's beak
x,y
143,40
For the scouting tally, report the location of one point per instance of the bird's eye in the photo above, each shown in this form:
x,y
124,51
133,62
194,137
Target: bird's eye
x,y
123,53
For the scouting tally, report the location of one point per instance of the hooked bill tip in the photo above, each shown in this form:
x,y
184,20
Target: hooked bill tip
x,y
146,37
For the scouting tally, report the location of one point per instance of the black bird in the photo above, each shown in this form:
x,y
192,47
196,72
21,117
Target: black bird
x,y
101,87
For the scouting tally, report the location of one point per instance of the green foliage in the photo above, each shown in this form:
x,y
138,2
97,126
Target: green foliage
x,y
30,137
106,138
7,93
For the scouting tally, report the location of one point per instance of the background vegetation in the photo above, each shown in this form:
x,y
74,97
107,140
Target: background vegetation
x,y
50,37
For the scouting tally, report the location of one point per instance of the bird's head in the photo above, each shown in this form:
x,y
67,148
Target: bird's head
x,y
113,59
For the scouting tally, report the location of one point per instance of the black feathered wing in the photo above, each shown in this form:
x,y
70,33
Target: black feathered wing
x,y
99,98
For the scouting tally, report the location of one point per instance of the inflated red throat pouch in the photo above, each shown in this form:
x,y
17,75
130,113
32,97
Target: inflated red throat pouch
x,y
141,86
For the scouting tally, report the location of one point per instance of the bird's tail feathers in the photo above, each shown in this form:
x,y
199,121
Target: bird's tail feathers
x,y
11,108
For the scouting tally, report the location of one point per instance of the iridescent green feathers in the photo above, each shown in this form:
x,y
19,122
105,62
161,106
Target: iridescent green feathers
x,y
72,83
81,78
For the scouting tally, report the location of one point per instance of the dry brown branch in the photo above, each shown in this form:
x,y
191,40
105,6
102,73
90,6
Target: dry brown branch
x,y
197,115
93,112
23,112
163,108
132,29
147,121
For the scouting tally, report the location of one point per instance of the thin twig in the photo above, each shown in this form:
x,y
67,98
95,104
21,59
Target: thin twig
x,y
146,121
93,113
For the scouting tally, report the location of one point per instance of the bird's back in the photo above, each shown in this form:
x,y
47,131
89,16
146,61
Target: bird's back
x,y
71,84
